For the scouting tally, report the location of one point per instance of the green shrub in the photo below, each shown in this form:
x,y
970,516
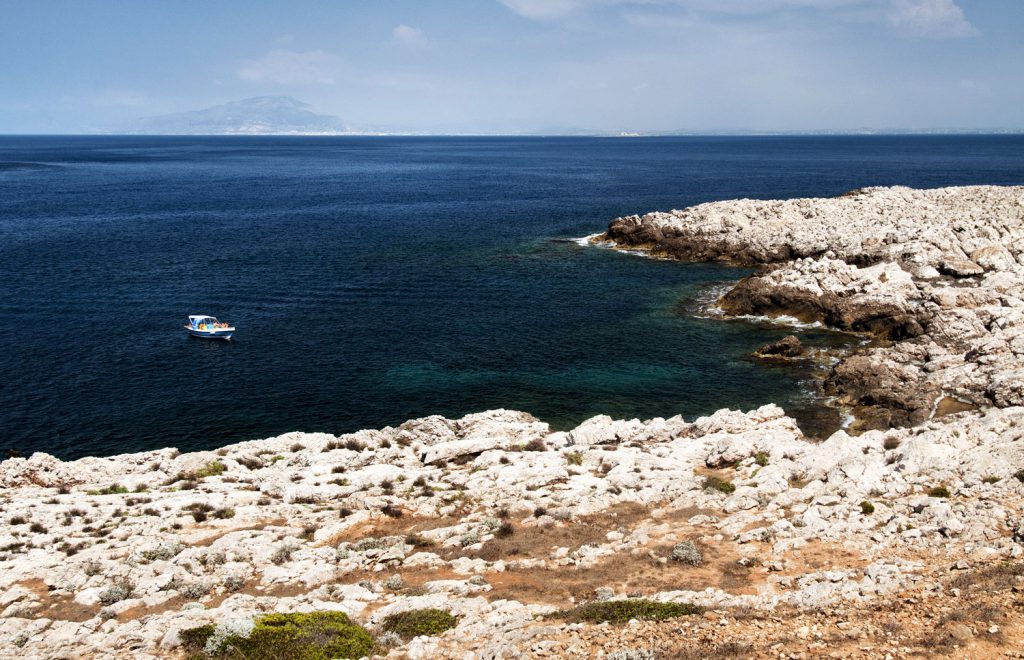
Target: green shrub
x,y
721,485
211,469
413,623
621,611
296,636
938,491
761,458
867,508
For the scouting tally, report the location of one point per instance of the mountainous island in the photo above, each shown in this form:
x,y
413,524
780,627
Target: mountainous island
x,y
260,115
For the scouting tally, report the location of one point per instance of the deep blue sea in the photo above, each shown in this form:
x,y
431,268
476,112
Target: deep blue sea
x,y
373,280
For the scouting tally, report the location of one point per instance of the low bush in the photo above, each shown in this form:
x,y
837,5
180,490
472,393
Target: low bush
x,y
687,553
302,636
418,541
115,593
414,623
761,458
867,508
112,489
574,458
621,611
719,484
535,445
211,469
938,491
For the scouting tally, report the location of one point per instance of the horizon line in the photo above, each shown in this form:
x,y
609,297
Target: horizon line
x,y
578,134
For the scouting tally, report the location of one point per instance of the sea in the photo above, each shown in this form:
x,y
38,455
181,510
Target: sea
x,y
377,279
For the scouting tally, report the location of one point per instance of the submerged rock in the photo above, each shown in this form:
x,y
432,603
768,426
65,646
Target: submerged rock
x,y
787,347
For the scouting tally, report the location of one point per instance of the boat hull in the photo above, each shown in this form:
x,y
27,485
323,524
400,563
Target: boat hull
x,y
211,334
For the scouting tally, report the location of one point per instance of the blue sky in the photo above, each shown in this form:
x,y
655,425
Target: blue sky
x,y
521,65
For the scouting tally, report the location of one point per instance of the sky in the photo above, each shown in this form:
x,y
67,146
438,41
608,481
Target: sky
x,y
68,66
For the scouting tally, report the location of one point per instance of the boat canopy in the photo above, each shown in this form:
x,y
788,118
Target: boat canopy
x,y
196,319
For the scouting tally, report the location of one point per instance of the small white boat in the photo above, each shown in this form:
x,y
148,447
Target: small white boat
x,y
201,325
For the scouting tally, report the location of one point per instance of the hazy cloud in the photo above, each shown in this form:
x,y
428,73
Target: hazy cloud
x,y
920,18
930,18
408,36
289,67
542,10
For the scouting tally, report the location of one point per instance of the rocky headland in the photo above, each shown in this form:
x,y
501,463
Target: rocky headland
x,y
492,536
934,277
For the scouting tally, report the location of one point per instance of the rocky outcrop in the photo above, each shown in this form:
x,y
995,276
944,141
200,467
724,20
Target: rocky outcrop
x,y
934,276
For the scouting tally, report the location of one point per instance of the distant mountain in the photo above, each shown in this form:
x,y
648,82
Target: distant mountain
x,y
262,115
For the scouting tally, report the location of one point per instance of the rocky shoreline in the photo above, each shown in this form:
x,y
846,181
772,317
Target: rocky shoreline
x,y
732,535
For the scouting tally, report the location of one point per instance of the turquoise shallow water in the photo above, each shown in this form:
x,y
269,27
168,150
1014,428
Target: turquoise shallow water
x,y
376,280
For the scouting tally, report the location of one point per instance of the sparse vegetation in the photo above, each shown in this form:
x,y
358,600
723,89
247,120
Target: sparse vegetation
x,y
938,491
535,445
867,508
621,611
991,480
574,458
761,458
890,443
414,623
